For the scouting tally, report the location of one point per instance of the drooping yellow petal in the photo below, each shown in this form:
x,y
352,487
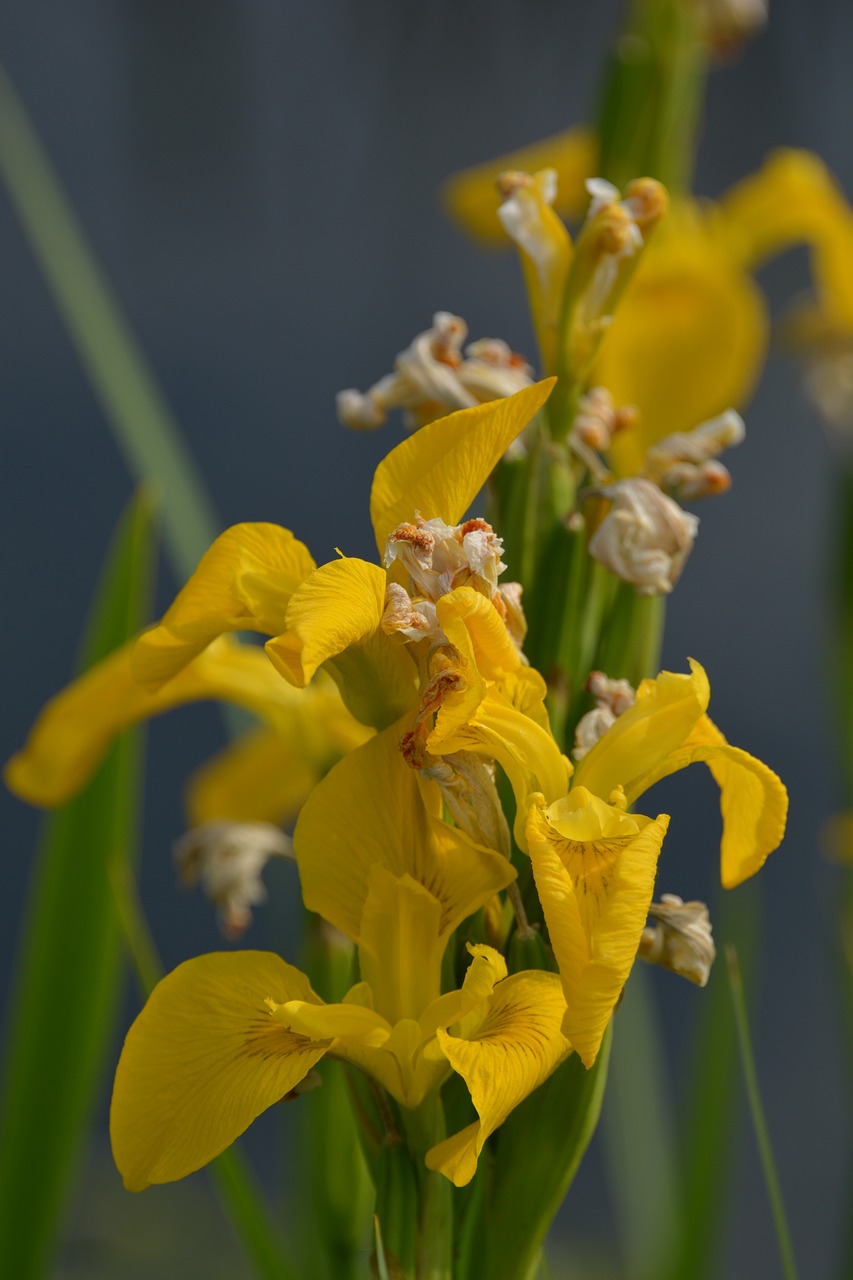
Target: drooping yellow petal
x,y
473,625
72,733
440,469
243,583
371,809
268,773
792,199
202,1060
664,715
688,338
333,621
753,799
594,867
515,1049
472,198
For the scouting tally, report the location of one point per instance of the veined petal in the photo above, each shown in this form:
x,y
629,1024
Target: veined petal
x,y
472,198
243,583
515,1049
594,867
486,970
439,471
371,810
202,1060
269,772
333,619
753,799
688,338
661,720
69,738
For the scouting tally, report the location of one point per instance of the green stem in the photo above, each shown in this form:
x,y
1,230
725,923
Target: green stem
x,y
762,1136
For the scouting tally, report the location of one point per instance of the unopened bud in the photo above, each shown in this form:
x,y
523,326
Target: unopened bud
x,y
682,940
645,538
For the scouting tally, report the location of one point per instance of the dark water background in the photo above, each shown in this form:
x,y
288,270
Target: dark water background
x,y
259,180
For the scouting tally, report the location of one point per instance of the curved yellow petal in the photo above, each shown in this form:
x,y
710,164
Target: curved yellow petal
x,y
688,338
371,810
267,774
473,625
472,198
525,750
661,720
753,799
514,1050
400,944
440,469
69,738
792,199
243,583
202,1060
333,619
594,867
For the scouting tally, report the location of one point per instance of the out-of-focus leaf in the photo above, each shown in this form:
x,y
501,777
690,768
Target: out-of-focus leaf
x,y
70,961
142,423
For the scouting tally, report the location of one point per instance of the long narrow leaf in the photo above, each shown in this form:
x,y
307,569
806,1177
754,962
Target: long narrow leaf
x,y
134,407
69,967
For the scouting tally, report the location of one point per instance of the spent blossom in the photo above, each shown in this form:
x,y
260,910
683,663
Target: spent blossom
x,y
228,858
645,538
682,939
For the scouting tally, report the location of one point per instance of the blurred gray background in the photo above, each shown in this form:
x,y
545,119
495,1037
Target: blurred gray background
x,y
260,182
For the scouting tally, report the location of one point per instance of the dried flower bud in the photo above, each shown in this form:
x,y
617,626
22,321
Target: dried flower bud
x,y
682,940
440,557
432,378
685,463
645,538
228,858
612,697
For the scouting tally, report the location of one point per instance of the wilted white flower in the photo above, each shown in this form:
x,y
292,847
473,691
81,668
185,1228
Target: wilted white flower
x,y
228,858
612,697
645,538
682,939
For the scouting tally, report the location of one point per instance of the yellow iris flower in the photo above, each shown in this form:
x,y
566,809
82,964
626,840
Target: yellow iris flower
x,y
690,334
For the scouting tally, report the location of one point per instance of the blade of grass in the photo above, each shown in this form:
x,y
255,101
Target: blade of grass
x,y
143,425
239,1194
709,1123
64,1004
759,1121
637,1124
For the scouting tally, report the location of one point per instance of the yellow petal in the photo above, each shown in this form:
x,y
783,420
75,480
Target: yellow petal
x,y
660,721
595,872
525,750
472,198
202,1060
440,469
688,338
372,810
400,944
515,1049
753,800
333,619
72,733
268,773
792,199
473,625
243,583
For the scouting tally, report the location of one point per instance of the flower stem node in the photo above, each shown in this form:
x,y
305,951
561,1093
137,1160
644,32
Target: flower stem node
x,y
681,938
228,858
432,378
645,538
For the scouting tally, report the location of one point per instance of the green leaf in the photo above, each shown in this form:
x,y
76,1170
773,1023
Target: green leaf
x,y
69,967
133,404
532,1163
